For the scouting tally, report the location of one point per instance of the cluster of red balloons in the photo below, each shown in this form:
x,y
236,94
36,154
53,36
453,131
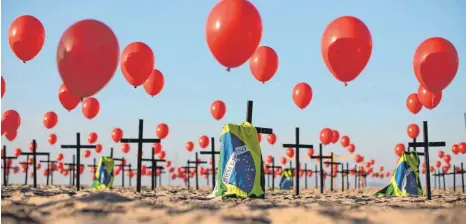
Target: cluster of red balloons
x,y
459,148
50,120
10,124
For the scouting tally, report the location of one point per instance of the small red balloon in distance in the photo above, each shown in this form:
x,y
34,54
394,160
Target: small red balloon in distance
x,y
381,168
283,160
87,153
90,107
302,95
269,159
157,147
125,148
67,99
155,83
10,121
351,148
189,146
413,131
399,149
345,141
87,57
455,150
98,148
447,158
429,100
335,136
441,153
136,63
413,103
435,63
50,119
168,163
326,136
17,152
358,158
203,141
217,109
92,138
117,134
231,24
346,47
259,137
26,37
438,164
271,138
3,86
11,135
263,63
162,130
462,147
310,152
162,155
290,152
60,156
52,139
38,166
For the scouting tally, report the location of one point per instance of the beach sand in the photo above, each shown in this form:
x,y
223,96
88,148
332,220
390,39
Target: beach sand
x,y
60,204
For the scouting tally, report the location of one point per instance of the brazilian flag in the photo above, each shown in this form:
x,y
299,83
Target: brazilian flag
x,y
103,176
405,179
240,169
286,183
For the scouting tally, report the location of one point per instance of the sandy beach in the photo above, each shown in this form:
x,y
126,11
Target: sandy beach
x,y
60,204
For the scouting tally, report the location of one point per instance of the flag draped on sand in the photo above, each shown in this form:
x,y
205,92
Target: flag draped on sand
x,y
240,170
103,176
286,183
405,179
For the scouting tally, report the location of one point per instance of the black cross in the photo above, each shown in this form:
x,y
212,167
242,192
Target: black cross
x,y
321,158
305,175
462,171
78,148
72,168
297,146
130,171
356,177
331,171
154,164
187,172
94,165
273,167
347,172
160,175
54,164
140,140
154,172
122,170
439,174
34,154
111,152
196,163
26,170
454,173
316,171
426,144
48,167
208,171
9,168
5,158
212,152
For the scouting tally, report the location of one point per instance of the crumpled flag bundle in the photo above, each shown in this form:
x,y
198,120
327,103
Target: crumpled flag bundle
x,y
103,176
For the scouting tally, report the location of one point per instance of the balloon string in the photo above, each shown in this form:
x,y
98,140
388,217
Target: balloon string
x,y
228,69
24,62
346,84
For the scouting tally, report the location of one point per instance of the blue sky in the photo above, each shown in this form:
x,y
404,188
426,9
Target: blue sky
x,y
371,109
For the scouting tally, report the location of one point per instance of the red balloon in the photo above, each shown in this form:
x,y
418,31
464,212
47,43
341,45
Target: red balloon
x,y
231,24
87,57
162,155
455,149
136,63
90,107
438,164
435,63
413,131
189,146
17,152
447,158
302,95
271,138
345,141
259,137
3,86
10,121
310,152
157,148
335,136
11,135
162,130
125,148
168,163
218,109
50,119
413,103
67,99
98,148
283,160
92,138
358,158
428,99
346,47
351,148
441,154
31,146
326,136
117,134
154,84
26,37
462,147
203,141
87,153
52,139
269,159
263,63
399,149
290,152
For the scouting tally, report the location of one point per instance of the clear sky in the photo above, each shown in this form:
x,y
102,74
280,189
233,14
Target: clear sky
x,y
371,109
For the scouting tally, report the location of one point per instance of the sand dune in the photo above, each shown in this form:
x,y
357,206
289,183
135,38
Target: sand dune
x,y
60,204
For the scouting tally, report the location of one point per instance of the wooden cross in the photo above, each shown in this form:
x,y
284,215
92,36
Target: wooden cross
x,y
78,148
72,168
154,164
196,163
426,144
331,171
297,146
122,170
153,174
48,167
5,158
320,157
34,154
212,152
26,170
187,171
140,140
273,167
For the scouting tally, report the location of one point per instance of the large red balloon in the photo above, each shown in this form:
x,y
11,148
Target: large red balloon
x,y
413,103
435,64
136,63
462,147
67,99
117,134
399,149
11,135
154,84
413,131
26,37
92,137
162,130
233,32
346,47
3,86
189,146
50,119
10,121
345,141
90,107
52,139
218,109
203,141
87,57
335,136
428,99
302,95
263,63
271,138
326,136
